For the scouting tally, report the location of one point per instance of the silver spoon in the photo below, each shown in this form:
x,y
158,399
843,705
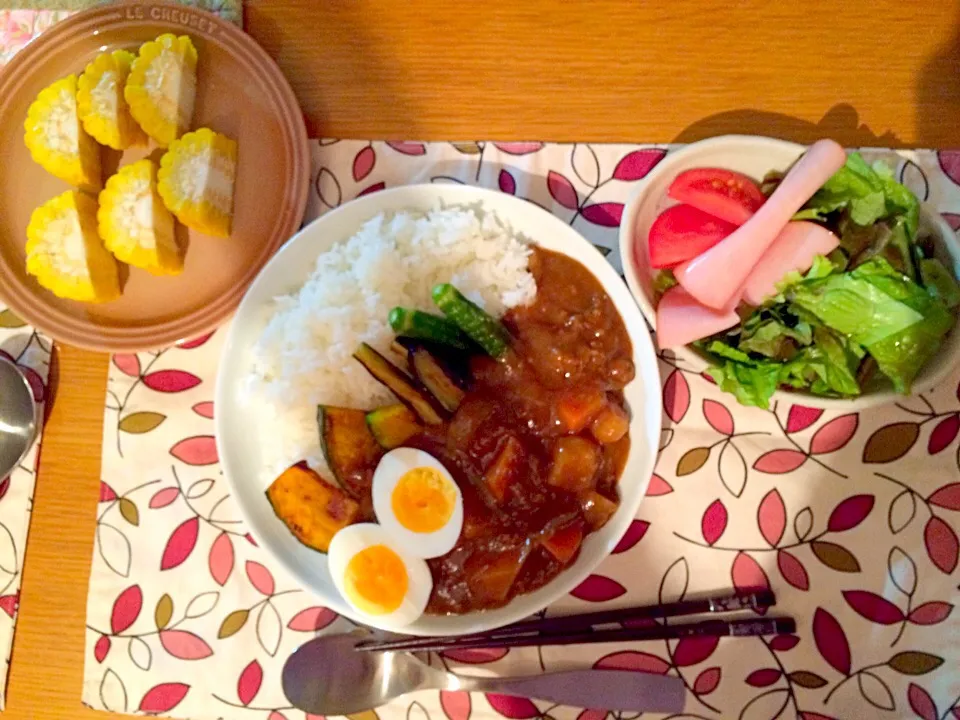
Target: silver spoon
x,y
326,676
18,417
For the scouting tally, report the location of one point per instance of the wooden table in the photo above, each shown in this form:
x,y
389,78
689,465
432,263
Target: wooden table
x,y
618,70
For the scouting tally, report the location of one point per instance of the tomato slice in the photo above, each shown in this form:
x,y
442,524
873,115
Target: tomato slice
x,y
725,194
682,232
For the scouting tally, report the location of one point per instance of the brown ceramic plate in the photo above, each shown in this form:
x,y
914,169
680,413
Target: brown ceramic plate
x,y
240,92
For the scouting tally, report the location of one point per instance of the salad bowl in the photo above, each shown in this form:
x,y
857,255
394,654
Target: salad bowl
x,y
755,157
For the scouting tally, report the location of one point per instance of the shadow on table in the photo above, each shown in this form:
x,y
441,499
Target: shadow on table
x,y
842,123
938,96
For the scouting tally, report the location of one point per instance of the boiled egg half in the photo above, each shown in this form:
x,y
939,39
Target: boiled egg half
x,y
417,502
378,580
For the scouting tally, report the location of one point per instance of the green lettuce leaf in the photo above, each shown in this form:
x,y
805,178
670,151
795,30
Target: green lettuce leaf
x,y
865,304
940,282
774,339
867,194
752,384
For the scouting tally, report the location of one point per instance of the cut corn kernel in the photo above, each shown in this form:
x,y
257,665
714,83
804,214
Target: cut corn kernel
x,y
56,138
65,253
161,87
134,223
196,181
101,104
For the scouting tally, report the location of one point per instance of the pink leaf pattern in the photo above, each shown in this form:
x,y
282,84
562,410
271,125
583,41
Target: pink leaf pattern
x,y
606,214
694,650
747,574
221,559
636,164
163,698
312,619
633,660
930,613
834,435
35,382
779,462
506,182
107,493
950,164
921,702
363,163
943,434
180,544
455,704
249,683
633,535
850,513
199,450
127,364
783,643
831,641
676,396
942,544
772,517
409,148
204,409
598,588
164,497
184,645
126,609
714,521
718,417
562,190
947,497
707,681
800,418
953,220
195,343
873,607
478,656
658,486
514,708
793,570
592,715
171,381
518,148
376,187
260,577
763,677
101,648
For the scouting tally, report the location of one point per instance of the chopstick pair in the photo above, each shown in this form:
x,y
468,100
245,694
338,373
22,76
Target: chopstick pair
x,y
584,628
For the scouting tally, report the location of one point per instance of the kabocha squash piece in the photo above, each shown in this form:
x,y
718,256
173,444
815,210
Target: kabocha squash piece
x,y
312,509
101,104
349,448
65,253
401,386
56,138
135,224
162,86
393,425
196,181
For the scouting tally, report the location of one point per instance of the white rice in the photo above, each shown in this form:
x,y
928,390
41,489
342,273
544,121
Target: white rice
x,y
304,355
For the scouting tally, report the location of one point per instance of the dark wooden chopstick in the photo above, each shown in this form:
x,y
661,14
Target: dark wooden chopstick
x,y
704,628
585,622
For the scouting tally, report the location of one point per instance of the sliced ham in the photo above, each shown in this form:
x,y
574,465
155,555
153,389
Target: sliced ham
x,y
714,276
794,249
681,319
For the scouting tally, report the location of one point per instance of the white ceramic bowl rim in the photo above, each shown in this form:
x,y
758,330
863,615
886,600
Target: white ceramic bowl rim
x,y
755,156
236,421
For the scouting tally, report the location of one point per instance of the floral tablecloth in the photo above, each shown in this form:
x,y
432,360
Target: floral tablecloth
x,y
851,518
31,351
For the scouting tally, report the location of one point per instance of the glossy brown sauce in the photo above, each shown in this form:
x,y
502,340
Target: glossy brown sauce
x,y
570,342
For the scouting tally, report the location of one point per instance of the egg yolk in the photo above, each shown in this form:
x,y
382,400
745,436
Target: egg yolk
x,y
423,500
375,580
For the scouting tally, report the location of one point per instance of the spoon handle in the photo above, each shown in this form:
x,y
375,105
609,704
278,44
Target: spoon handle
x,y
616,690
